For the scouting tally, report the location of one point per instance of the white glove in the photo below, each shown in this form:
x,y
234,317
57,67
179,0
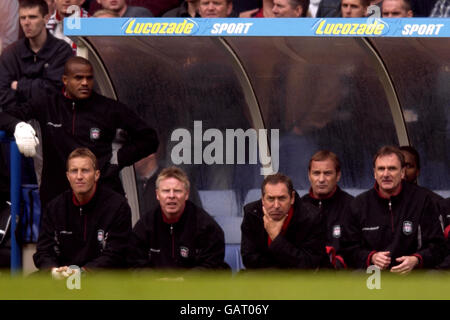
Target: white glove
x,y
26,139
57,274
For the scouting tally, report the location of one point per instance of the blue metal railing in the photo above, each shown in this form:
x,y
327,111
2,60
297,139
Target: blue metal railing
x,y
15,161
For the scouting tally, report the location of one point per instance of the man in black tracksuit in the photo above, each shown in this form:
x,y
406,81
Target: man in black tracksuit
x,y
177,234
281,231
29,66
445,213
79,117
324,172
88,226
395,225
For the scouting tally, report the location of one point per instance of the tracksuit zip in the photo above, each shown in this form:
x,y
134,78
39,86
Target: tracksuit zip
x,y
85,223
73,117
320,204
173,242
392,215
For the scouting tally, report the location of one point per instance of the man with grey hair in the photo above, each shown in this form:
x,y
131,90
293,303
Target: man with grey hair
x,y
395,225
177,234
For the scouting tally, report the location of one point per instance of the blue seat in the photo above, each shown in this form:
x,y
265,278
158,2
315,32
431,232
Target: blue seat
x,y
231,227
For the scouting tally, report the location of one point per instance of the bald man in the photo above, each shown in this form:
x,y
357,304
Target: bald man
x,y
79,117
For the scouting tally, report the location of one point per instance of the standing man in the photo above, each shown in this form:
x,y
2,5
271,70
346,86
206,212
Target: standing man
x,y
324,173
354,8
124,10
30,67
34,63
79,117
88,226
290,8
396,9
281,231
177,234
395,225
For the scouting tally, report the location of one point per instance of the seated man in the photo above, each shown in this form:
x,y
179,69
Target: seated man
x,y
324,173
88,226
395,225
281,231
177,234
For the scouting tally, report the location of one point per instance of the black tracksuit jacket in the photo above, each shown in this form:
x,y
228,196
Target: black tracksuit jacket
x,y
94,235
67,124
332,210
406,224
34,72
195,241
301,247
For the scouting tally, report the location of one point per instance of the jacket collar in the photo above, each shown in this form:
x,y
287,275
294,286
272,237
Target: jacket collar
x,y
377,189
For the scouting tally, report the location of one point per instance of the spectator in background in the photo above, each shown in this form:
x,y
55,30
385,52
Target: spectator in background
x,y
30,67
124,10
88,226
290,8
264,12
396,9
34,63
188,8
422,8
329,8
395,225
55,23
216,8
412,163
441,9
9,23
78,117
324,172
280,230
51,6
105,13
177,234
354,8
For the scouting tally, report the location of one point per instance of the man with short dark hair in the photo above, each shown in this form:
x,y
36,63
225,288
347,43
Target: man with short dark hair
x,y
354,8
88,226
79,117
34,63
395,225
290,8
396,9
177,234
324,173
280,230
